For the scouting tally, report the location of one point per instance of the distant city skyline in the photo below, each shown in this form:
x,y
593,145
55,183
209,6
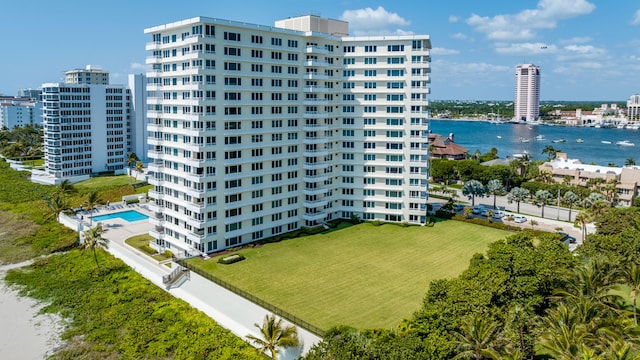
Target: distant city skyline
x,y
587,50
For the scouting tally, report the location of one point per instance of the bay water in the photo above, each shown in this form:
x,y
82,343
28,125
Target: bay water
x,y
587,144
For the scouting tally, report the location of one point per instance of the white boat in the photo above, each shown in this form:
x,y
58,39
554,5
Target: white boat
x,y
523,139
580,140
605,142
558,140
499,137
633,127
539,137
625,143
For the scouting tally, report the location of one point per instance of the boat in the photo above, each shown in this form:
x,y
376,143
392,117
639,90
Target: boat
x,y
499,137
539,137
580,140
558,141
605,142
524,140
633,127
625,143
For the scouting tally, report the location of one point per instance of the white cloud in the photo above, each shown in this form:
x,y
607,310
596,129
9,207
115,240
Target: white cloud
x,y
523,25
525,49
585,65
453,19
442,51
469,70
636,18
378,21
138,66
577,52
575,40
459,36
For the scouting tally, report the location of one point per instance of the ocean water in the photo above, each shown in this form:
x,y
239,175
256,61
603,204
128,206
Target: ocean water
x,y
507,138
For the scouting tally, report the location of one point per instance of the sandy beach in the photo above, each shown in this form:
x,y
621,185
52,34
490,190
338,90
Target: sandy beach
x,y
25,334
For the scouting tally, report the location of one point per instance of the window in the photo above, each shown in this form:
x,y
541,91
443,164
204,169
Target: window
x,y
370,48
231,36
395,48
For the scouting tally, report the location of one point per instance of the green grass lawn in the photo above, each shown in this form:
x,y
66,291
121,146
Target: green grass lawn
x,y
364,276
103,182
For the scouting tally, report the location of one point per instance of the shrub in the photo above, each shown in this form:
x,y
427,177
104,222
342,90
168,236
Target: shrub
x,y
377,222
230,259
168,253
132,201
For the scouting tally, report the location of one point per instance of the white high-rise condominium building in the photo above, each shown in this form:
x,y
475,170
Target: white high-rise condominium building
x,y
89,129
633,108
527,98
255,130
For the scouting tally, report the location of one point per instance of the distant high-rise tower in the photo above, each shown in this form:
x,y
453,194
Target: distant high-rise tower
x,y
91,75
527,99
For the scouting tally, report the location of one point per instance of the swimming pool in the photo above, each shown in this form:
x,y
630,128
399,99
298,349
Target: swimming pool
x,y
129,216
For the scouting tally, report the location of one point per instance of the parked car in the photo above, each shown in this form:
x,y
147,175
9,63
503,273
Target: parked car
x,y
566,237
477,209
519,218
458,207
498,214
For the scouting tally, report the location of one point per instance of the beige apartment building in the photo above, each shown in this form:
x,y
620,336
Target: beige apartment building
x,y
574,172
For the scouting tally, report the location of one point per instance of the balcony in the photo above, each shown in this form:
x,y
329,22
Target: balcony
x,y
311,89
320,215
315,50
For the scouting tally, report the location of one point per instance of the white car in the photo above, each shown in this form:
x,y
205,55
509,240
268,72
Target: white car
x,y
497,214
519,218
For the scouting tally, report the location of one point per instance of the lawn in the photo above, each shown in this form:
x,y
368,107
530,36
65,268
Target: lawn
x,y
364,276
104,182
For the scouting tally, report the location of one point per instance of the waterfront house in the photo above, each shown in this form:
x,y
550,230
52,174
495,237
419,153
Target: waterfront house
x,y
444,147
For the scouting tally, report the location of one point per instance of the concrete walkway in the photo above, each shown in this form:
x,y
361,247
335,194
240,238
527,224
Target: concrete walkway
x,y
231,311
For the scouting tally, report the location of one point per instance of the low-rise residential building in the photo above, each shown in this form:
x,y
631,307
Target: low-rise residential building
x,y
572,172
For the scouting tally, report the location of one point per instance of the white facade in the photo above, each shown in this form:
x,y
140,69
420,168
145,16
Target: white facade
x,y
85,129
138,125
527,94
255,131
633,108
19,112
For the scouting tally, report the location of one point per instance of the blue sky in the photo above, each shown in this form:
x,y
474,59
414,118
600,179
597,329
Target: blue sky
x,y
587,49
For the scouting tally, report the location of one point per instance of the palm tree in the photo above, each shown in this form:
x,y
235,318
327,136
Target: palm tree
x,y
533,223
596,203
629,162
550,151
518,194
542,198
92,201
631,277
473,188
93,239
57,204
66,188
495,188
274,334
467,212
139,167
570,198
583,218
610,190
132,159
478,339
561,333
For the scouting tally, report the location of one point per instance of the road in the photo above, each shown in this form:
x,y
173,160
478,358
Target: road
x,y
555,219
